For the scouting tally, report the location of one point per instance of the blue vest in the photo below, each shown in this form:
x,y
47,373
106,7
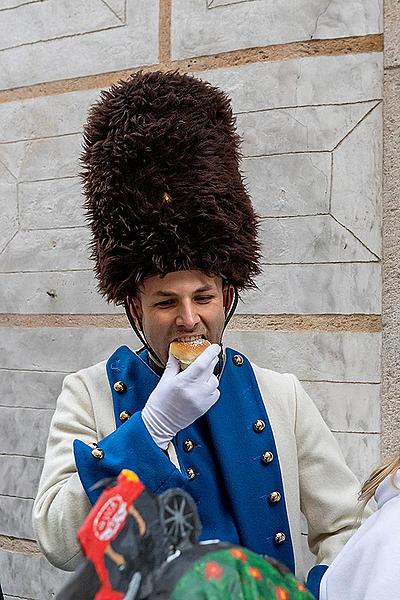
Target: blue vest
x,y
228,458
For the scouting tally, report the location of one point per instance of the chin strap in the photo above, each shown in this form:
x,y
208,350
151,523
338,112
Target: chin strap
x,y
140,333
230,312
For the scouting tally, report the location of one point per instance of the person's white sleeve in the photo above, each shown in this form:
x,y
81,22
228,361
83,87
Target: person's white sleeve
x,y
61,504
328,488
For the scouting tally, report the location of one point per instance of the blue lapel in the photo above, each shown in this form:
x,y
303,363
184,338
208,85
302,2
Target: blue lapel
x,y
132,369
248,480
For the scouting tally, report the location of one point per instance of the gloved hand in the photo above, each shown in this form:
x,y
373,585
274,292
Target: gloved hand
x,y
181,397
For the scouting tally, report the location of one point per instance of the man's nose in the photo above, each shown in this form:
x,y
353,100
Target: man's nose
x,y
187,316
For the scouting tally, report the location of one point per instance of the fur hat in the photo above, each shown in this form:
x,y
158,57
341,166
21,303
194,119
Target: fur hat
x,y
162,184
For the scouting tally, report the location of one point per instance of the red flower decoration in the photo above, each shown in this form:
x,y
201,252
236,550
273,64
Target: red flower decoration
x,y
213,570
239,554
254,572
281,594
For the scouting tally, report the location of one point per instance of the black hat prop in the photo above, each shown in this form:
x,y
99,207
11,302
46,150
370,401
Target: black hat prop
x,y
163,188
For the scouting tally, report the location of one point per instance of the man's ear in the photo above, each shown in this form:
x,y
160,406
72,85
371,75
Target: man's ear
x,y
229,294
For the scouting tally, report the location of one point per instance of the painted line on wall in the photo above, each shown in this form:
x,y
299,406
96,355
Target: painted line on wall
x,y
234,58
164,35
357,323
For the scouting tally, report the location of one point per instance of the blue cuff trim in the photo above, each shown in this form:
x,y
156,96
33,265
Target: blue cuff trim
x,y
314,579
128,447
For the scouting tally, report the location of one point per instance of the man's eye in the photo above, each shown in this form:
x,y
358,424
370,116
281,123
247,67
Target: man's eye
x,y
204,299
165,303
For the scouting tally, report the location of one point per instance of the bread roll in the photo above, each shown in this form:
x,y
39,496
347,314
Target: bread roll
x,y
187,352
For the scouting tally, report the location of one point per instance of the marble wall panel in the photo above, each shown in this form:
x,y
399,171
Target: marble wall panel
x,y
29,389
60,349
309,239
199,29
345,288
16,518
312,356
9,206
357,181
24,431
48,158
122,47
30,576
301,82
19,475
292,289
361,452
51,204
48,20
289,185
52,293
347,407
46,116
47,250
313,128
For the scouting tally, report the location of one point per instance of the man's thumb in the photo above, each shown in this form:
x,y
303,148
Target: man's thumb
x,y
172,367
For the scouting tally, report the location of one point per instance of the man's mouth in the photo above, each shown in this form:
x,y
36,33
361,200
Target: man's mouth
x,y
190,339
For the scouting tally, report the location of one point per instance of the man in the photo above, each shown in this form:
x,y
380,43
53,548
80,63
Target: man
x,y
174,239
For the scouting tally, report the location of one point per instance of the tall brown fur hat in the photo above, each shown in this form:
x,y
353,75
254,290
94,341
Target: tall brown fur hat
x,y
162,184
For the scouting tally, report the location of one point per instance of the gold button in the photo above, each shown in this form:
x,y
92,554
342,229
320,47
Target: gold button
x,y
188,445
279,538
190,473
274,497
98,453
258,426
238,360
124,415
267,457
119,387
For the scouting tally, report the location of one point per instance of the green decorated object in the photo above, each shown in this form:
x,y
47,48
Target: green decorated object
x,y
238,574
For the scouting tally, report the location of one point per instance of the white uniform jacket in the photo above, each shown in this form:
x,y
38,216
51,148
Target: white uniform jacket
x,y
266,436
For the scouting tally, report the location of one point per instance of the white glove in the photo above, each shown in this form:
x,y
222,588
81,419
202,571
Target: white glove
x,y
181,397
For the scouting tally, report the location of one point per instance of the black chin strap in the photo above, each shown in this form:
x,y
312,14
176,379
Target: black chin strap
x,y
229,314
140,333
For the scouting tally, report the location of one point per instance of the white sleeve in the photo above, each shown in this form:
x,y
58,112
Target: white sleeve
x,y
61,504
328,488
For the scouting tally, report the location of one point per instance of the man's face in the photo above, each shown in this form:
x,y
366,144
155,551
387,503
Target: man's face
x,y
181,306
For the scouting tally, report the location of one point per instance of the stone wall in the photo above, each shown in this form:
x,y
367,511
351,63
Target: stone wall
x,y
306,86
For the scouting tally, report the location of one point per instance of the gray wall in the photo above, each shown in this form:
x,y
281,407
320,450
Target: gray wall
x,y
306,86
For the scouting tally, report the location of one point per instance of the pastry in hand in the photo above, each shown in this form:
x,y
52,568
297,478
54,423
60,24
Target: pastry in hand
x,y
186,352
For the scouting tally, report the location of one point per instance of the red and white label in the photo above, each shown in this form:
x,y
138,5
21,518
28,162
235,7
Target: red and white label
x,y
109,518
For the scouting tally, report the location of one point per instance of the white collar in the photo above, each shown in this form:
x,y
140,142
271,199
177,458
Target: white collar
x,y
386,490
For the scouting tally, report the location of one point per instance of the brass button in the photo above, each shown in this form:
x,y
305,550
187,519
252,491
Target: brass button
x,y
238,360
124,415
267,457
190,473
119,387
280,537
258,426
188,445
98,453
274,497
